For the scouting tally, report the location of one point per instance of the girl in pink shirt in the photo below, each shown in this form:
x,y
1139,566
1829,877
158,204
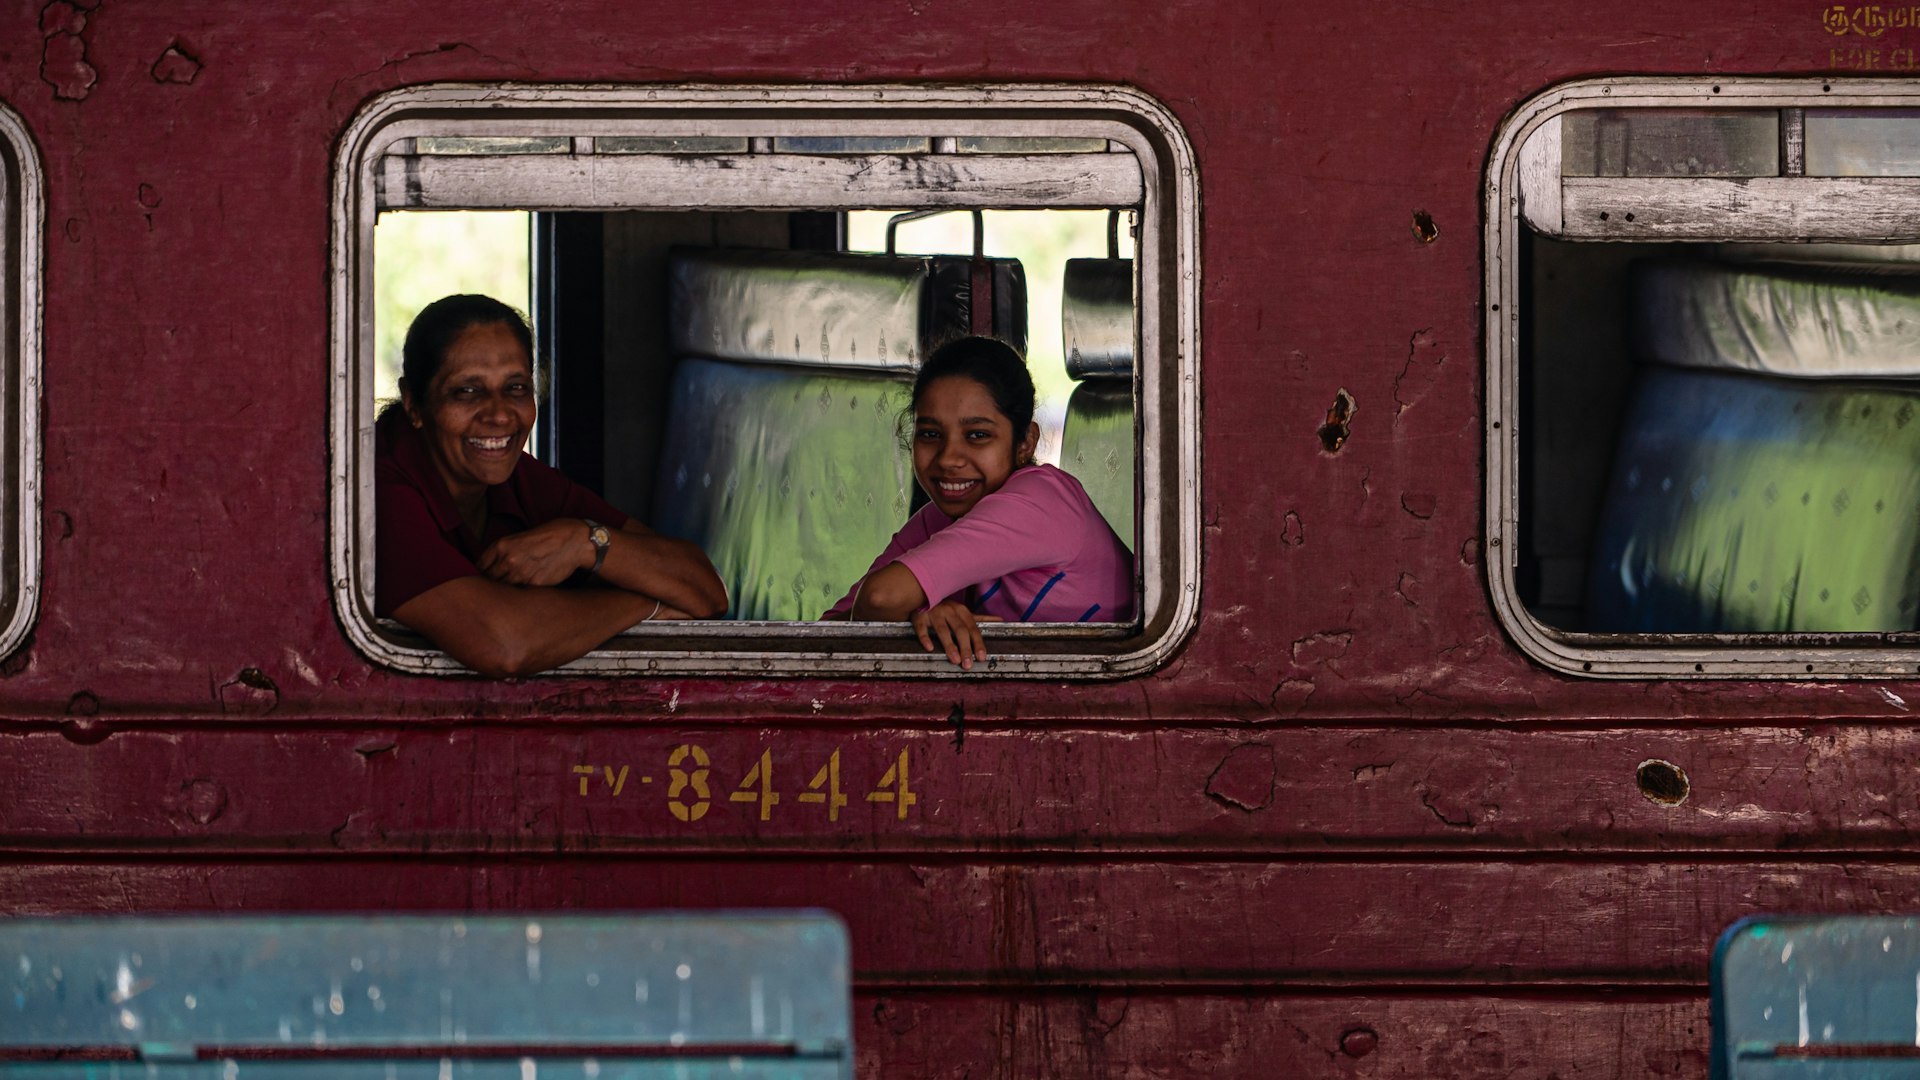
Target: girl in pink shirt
x,y
1001,539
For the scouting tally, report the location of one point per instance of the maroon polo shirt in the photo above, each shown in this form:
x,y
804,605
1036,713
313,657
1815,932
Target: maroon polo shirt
x,y
420,541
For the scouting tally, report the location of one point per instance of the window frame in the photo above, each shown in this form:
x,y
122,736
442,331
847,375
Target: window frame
x,y
1514,200
1167,368
23,209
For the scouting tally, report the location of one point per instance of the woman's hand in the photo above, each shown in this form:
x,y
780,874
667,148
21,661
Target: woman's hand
x,y
956,627
543,555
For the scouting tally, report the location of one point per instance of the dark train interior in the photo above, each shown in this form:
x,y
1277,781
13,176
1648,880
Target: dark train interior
x,y
1714,430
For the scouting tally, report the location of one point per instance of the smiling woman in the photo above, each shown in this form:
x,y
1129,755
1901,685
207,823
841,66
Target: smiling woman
x,y
474,535
1001,539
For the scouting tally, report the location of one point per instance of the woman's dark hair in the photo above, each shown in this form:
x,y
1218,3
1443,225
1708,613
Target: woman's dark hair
x,y
441,323
993,364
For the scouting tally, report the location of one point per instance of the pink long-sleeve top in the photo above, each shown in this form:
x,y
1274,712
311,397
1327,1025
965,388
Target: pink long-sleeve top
x,y
1037,550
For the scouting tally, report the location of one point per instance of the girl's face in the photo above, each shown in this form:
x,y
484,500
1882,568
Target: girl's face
x,y
964,447
478,409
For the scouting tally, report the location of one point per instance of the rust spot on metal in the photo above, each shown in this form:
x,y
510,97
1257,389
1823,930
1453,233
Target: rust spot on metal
x,y
1244,779
1424,230
372,750
1470,551
1334,433
1419,504
1455,820
1358,1042
1403,589
1663,782
1292,532
149,196
1105,1015
250,690
74,229
85,729
957,716
203,800
176,65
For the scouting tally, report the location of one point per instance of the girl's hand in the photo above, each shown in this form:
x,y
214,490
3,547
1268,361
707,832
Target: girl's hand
x,y
956,627
543,555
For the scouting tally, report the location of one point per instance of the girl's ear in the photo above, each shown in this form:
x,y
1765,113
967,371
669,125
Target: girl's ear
x,y
410,405
1024,455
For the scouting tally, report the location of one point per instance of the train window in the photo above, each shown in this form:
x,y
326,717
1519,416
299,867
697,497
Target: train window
x,y
22,215
1700,302
731,288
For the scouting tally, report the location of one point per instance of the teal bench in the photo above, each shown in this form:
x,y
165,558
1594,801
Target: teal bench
x,y
1831,998
598,997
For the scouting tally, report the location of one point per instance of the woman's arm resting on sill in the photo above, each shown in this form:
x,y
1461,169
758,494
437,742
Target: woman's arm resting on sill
x,y
892,593
676,571
504,631
638,560
889,594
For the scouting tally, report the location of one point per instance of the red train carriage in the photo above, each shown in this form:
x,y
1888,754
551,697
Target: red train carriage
x,y
1508,411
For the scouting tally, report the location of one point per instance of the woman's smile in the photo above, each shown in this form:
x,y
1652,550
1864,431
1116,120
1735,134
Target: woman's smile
x,y
954,489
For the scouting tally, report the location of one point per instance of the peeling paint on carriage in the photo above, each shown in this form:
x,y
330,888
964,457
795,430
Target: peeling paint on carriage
x,y
176,65
1245,778
63,62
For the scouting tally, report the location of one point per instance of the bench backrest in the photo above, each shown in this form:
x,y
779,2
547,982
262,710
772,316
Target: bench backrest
x,y
693,995
1767,475
1097,441
782,454
1803,998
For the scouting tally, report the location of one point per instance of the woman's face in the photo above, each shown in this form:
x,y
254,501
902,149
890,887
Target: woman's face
x,y
964,447
478,409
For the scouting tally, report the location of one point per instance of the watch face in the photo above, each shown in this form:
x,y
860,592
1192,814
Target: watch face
x,y
599,536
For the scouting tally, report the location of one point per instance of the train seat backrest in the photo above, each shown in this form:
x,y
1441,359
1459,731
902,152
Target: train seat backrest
x,y
695,995
1767,475
1812,997
1097,337
782,454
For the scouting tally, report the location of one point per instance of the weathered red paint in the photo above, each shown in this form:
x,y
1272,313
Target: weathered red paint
x,y
1349,803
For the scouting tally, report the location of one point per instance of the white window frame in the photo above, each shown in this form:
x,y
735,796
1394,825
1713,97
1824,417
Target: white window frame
x,y
1523,187
1167,365
23,211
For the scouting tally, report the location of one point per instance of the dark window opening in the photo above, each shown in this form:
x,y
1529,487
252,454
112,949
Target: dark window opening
x,y
728,359
1703,387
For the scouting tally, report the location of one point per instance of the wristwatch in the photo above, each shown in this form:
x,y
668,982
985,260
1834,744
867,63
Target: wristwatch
x,y
597,533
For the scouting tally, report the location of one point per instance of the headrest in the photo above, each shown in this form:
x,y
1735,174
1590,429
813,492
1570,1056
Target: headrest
x,y
1096,318
823,309
1802,319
